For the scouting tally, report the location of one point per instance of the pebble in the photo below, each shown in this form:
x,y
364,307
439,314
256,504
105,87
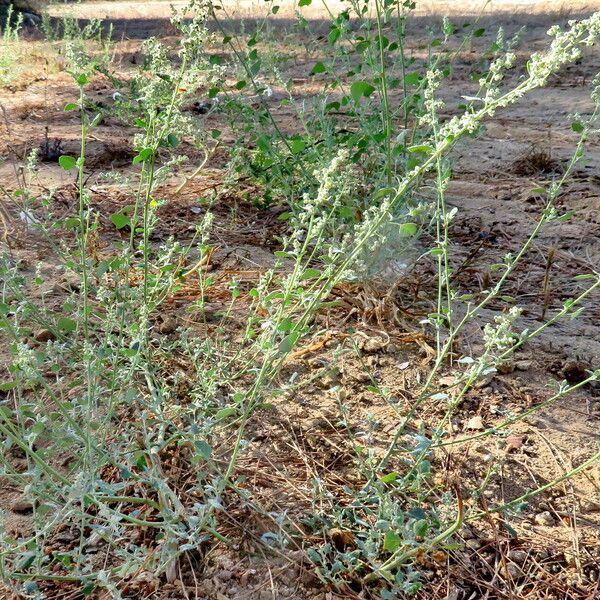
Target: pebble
x,y
168,325
523,365
513,571
473,544
475,423
22,506
505,368
514,443
44,335
574,371
518,556
545,519
373,344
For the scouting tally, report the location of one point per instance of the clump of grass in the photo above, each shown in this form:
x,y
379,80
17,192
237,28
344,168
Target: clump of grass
x,y
535,162
108,410
10,56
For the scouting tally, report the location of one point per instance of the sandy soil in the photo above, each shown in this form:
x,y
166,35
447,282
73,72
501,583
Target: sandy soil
x,y
556,543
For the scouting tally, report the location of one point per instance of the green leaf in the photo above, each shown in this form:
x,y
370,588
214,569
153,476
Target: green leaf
x,y
120,220
577,127
304,2
311,274
333,35
275,10
288,342
26,560
172,140
226,412
391,541
70,106
71,223
566,217
67,325
285,326
88,588
389,478
7,386
422,149
203,449
412,79
67,162
82,79
408,229
297,145
360,89
421,527
318,68
143,156
478,32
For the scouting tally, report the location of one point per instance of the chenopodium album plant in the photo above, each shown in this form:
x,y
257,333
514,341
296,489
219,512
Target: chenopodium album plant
x,y
103,396
370,104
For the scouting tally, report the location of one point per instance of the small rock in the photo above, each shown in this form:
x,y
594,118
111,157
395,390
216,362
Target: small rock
x,y
362,377
447,381
22,506
20,464
225,575
518,556
373,344
574,371
514,443
505,367
168,325
523,365
513,571
475,423
545,519
44,335
473,544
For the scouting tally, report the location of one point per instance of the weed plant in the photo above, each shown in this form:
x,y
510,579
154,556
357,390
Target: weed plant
x,y
107,412
10,54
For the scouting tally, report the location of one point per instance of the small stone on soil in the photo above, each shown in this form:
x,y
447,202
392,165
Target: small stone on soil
x,y
44,335
518,556
545,519
475,423
523,365
22,506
